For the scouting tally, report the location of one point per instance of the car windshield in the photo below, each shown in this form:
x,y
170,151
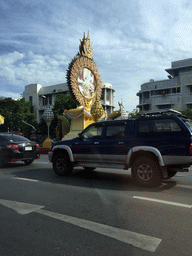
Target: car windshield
x,y
13,138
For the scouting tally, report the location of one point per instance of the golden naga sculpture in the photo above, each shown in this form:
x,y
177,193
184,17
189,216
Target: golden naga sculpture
x,y
116,114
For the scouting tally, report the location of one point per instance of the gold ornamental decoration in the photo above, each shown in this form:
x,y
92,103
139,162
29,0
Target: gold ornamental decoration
x,y
83,77
97,110
85,47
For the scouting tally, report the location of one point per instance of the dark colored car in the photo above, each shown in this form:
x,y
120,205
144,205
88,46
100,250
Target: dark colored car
x,y
17,148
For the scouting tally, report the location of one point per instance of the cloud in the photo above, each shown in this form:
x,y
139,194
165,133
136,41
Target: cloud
x,y
133,41
167,21
22,69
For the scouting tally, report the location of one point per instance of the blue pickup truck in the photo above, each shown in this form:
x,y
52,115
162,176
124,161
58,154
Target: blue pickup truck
x,y
156,146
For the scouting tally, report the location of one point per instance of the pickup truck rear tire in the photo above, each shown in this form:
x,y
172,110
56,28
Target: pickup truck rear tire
x,y
62,165
146,171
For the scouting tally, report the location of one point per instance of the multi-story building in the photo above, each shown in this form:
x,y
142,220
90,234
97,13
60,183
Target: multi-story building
x,y
107,98
174,92
41,97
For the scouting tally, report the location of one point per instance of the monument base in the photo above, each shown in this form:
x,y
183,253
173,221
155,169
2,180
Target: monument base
x,y
47,143
77,125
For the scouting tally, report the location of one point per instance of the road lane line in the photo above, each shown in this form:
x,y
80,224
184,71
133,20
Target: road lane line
x,y
184,186
141,241
162,201
144,242
25,179
21,208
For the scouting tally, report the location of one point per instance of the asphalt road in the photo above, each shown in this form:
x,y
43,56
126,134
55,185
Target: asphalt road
x,y
98,213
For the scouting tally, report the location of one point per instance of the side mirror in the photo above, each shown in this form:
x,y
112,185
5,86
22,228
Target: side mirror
x,y
79,136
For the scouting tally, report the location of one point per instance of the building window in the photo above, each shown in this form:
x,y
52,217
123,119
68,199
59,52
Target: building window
x,y
189,106
102,95
50,99
47,100
108,96
176,73
146,107
177,90
163,92
31,99
164,106
44,101
190,88
146,95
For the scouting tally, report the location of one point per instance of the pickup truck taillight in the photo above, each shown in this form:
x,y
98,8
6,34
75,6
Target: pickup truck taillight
x,y
190,149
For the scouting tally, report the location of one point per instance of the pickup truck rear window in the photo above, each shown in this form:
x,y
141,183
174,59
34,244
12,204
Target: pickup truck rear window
x,y
116,130
158,126
189,124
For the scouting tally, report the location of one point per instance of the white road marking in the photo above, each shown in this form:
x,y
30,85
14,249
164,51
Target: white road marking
x,y
16,178
184,186
177,186
162,201
141,241
21,208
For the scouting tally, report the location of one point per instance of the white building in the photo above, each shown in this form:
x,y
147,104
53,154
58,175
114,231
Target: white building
x,y
175,92
41,97
107,98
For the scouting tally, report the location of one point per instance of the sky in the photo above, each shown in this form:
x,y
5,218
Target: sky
x,y
133,41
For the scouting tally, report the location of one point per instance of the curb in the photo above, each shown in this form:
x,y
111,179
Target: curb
x,y
44,150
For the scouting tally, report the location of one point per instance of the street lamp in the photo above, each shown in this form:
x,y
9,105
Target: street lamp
x,y
48,117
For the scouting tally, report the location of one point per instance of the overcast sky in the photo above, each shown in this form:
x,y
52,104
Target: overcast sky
x,y
133,41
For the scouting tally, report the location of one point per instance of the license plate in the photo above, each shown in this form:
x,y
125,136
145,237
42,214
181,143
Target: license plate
x,y
28,148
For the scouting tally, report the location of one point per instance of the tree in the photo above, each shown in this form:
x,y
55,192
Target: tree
x,y
18,116
63,101
133,114
62,124
188,113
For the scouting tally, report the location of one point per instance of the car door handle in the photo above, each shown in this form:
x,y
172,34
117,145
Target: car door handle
x,y
96,143
120,142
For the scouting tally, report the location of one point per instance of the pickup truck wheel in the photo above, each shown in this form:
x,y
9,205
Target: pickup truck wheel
x,y
146,171
62,165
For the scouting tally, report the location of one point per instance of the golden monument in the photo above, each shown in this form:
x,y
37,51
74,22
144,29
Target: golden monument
x,y
2,120
84,82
